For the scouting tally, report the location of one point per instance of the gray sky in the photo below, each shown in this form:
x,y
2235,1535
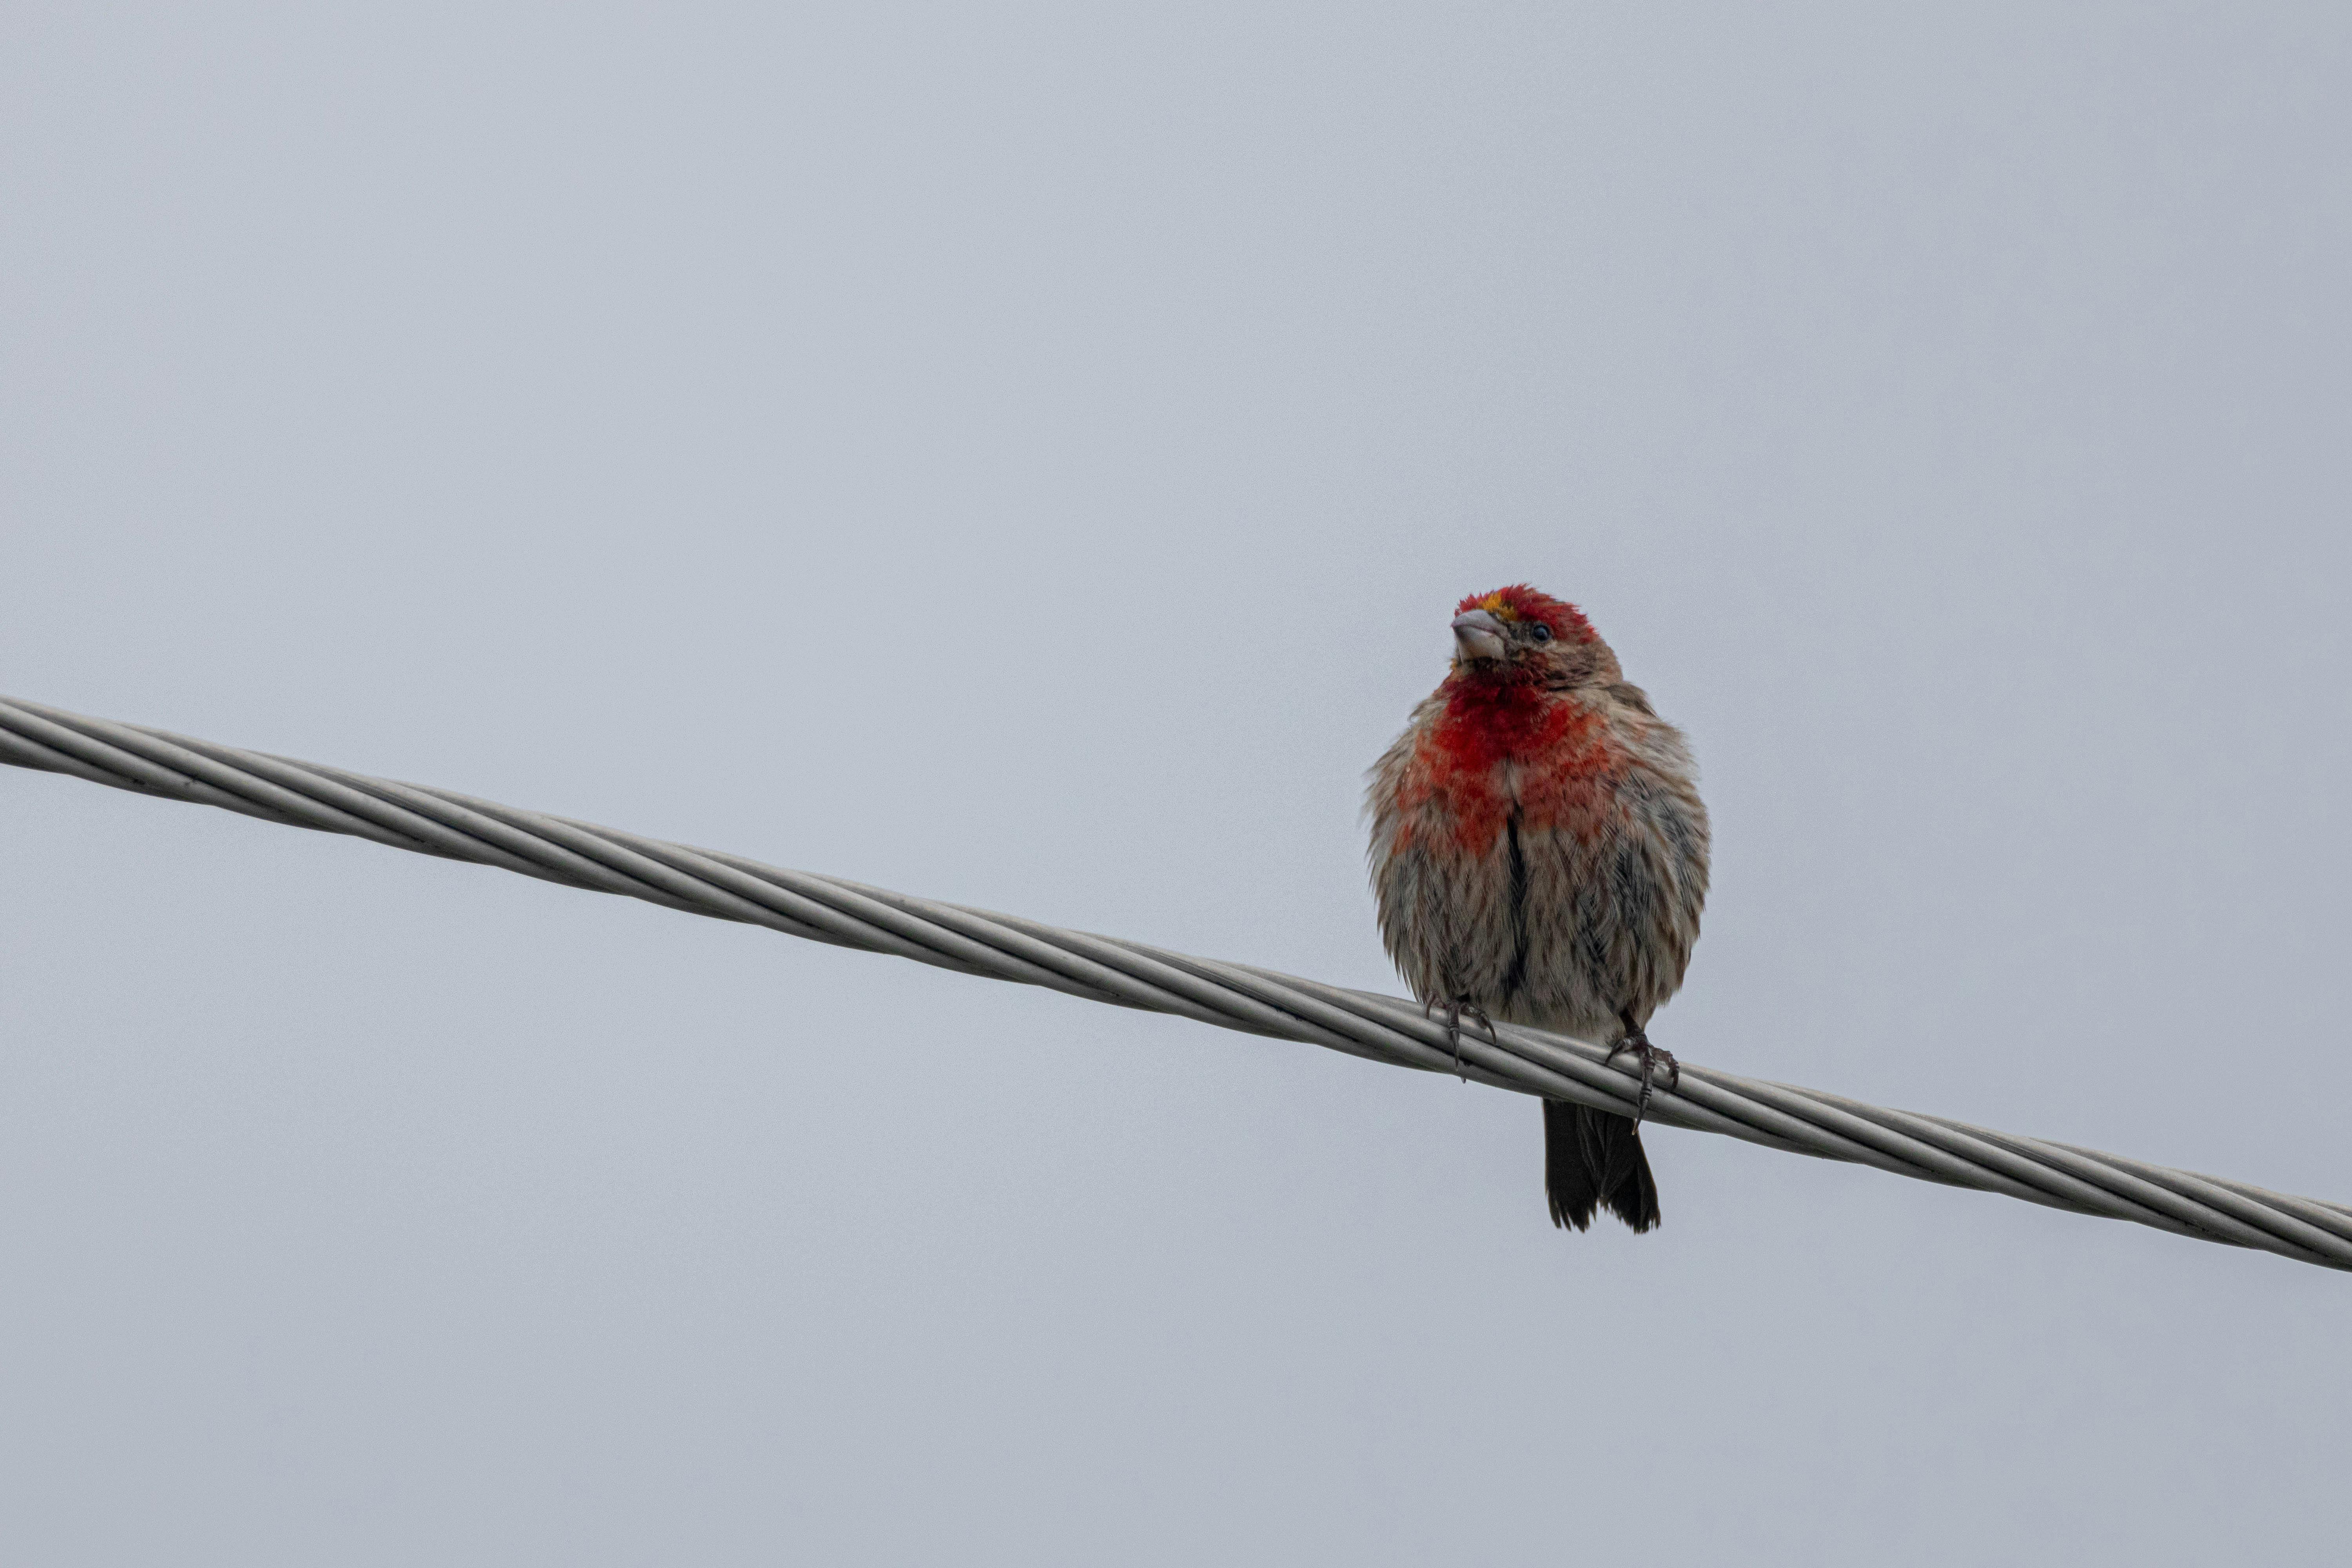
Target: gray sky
x,y
1028,456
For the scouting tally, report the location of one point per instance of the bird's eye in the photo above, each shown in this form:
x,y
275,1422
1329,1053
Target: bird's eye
x,y
1542,633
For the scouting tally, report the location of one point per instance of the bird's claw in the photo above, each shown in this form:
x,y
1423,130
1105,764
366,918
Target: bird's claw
x,y
1651,1057
1454,1011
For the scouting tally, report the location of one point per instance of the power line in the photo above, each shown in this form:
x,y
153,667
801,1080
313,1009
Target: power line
x,y
1131,974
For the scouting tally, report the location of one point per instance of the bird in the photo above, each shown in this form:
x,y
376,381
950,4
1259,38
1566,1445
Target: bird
x,y
1539,855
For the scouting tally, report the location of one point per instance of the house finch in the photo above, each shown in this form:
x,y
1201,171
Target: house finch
x,y
1539,855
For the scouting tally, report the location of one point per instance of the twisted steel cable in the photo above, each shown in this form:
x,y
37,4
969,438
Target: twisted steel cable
x,y
1131,974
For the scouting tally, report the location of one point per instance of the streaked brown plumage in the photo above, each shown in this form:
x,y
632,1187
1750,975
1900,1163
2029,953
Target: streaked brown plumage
x,y
1538,849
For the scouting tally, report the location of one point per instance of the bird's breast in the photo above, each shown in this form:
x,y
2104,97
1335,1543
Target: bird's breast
x,y
1486,764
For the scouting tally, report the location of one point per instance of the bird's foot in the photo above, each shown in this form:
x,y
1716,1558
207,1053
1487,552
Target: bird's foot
x,y
1457,1010
1651,1058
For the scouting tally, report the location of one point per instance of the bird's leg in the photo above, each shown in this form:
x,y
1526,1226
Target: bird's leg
x,y
1455,1008
1650,1056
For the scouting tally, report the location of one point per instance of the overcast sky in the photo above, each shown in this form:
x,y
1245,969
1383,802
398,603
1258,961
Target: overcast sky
x,y
1029,455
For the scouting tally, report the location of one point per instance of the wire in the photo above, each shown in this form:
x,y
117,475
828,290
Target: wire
x,y
1131,974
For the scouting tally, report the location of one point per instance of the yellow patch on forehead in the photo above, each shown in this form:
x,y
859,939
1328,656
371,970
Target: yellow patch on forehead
x,y
1493,605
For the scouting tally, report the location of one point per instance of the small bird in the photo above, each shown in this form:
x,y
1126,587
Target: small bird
x,y
1539,855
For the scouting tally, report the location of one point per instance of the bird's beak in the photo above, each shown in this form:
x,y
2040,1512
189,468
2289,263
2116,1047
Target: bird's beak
x,y
1478,635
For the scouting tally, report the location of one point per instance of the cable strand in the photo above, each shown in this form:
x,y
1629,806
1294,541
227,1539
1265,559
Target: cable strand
x,y
1125,974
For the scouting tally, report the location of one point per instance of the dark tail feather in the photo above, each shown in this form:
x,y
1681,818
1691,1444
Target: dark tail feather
x,y
1592,1160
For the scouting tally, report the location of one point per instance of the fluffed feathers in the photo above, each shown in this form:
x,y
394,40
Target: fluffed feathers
x,y
1540,853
